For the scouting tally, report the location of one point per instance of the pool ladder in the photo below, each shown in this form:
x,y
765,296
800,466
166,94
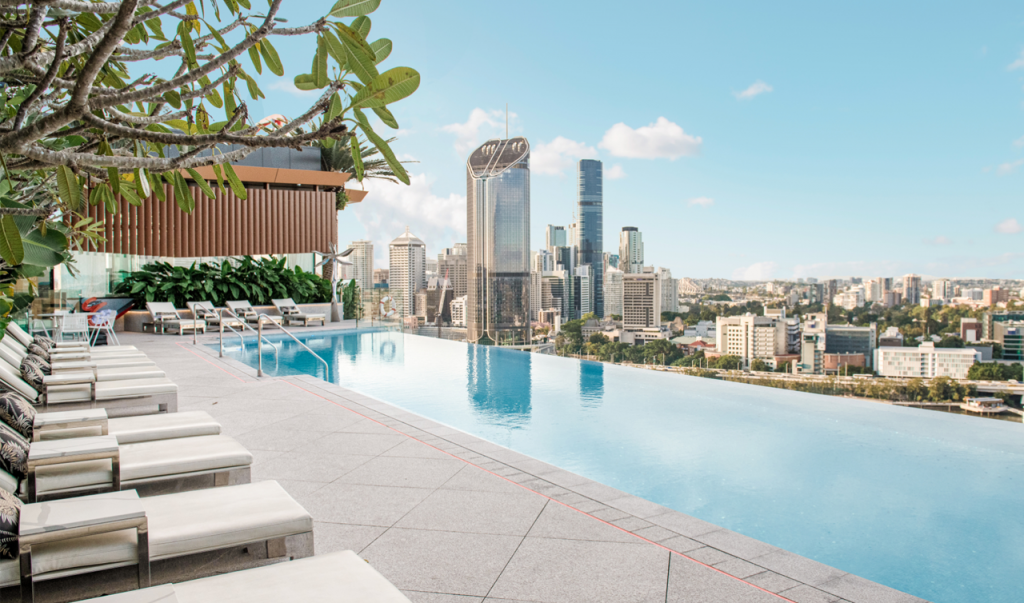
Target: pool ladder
x,y
259,345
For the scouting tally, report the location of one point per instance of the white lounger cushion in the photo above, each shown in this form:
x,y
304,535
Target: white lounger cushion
x,y
68,345
179,524
110,390
341,577
145,428
145,460
105,363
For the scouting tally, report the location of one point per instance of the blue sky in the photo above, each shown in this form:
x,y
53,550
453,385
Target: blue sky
x,y
874,138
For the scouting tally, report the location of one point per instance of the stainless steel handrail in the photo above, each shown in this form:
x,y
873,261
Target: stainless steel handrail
x,y
220,326
245,325
259,345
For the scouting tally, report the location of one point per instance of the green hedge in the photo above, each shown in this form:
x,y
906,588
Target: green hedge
x,y
256,280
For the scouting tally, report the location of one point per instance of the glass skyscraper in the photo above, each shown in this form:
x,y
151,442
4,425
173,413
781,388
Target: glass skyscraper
x,y
498,242
591,227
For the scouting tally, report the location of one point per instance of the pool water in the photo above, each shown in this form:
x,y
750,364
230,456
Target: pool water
x,y
923,502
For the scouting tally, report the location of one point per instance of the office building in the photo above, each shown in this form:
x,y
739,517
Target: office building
x,y
925,361
891,299
641,308
942,289
613,292
407,273
553,292
812,345
554,236
380,278
970,330
631,250
792,328
498,242
974,294
912,289
831,289
848,339
669,291
994,296
989,320
430,267
439,296
873,291
590,206
611,260
850,299
583,290
543,261
1010,334
751,337
458,311
362,264
452,264
535,293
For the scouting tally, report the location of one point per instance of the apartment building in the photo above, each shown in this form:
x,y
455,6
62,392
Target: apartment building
x,y
751,337
925,361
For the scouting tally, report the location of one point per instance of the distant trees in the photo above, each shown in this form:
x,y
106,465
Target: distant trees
x,y
759,365
995,371
950,341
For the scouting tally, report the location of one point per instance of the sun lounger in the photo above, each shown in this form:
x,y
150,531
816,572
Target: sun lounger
x,y
244,310
95,533
290,313
80,390
103,371
71,467
72,354
165,316
341,577
207,312
127,430
25,339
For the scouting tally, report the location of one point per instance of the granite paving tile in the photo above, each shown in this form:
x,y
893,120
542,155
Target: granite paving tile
x,y
772,581
598,492
471,478
504,513
655,533
399,471
798,568
309,467
739,568
352,443
273,437
690,582
558,521
708,555
608,514
683,524
541,569
441,562
331,537
413,449
681,544
737,544
335,420
631,523
861,590
636,506
808,594
365,505
421,597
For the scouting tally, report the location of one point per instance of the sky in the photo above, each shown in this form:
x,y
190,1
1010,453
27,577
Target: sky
x,y
746,140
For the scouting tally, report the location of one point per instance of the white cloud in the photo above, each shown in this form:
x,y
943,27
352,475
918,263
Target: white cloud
x,y
286,85
1009,226
1018,64
1019,142
753,90
701,201
1009,167
558,155
481,125
939,240
660,139
844,269
389,208
761,271
615,173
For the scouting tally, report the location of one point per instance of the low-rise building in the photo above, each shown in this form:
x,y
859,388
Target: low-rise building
x,y
458,307
891,338
925,361
994,296
704,328
1011,336
970,330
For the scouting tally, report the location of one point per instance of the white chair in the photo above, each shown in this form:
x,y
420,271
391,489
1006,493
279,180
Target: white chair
x,y
103,322
76,325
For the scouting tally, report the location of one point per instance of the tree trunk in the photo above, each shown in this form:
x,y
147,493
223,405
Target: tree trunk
x,y
328,272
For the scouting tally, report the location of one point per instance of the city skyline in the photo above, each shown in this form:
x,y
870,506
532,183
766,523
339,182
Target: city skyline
x,y
913,138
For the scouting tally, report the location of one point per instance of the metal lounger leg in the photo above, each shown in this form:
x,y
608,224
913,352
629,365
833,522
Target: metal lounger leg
x,y
28,594
142,547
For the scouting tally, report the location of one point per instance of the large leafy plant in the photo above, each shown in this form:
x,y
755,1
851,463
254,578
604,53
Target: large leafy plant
x,y
257,280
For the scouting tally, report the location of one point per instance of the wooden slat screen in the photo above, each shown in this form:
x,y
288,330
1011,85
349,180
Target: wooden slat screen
x,y
268,222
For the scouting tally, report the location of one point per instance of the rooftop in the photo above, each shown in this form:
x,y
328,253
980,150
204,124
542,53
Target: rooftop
x,y
449,517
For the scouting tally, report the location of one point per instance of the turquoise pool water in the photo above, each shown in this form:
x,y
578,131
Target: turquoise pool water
x,y
921,501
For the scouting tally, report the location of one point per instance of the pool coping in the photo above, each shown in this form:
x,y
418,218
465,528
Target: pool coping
x,y
775,570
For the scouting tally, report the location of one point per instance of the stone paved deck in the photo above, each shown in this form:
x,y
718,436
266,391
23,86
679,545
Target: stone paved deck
x,y
451,518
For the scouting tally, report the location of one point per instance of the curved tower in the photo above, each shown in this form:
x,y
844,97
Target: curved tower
x,y
498,242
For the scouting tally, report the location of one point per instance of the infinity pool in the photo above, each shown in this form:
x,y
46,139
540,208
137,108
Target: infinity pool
x,y
920,501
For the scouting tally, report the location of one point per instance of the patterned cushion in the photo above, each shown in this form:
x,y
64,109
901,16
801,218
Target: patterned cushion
x,y
17,413
33,369
44,342
13,452
10,518
37,350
